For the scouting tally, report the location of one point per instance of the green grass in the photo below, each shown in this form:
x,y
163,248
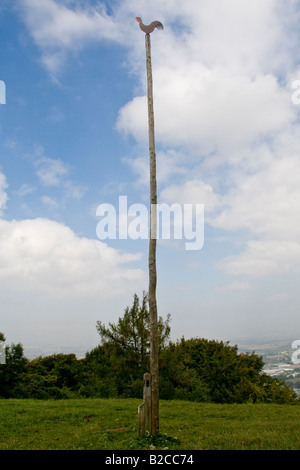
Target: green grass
x,y
111,424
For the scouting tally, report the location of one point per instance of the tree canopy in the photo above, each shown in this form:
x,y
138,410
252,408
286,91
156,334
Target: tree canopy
x,y
132,331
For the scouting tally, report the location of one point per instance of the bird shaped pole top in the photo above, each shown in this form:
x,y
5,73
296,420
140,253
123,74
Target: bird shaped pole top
x,y
149,28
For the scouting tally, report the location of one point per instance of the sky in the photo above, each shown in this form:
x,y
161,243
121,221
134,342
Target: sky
x,y
74,136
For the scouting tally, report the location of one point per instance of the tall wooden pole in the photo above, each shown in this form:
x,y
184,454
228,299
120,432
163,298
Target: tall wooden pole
x,y
152,251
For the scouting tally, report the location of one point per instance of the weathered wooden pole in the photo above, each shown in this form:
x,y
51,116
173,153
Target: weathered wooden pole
x,y
152,250
153,390
144,410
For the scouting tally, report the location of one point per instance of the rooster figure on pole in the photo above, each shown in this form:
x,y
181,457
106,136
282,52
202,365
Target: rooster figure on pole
x,y
153,235
149,28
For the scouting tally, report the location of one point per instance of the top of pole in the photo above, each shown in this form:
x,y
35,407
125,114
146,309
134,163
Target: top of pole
x,y
149,28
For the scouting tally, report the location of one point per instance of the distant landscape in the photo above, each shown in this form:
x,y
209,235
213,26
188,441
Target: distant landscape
x,y
277,357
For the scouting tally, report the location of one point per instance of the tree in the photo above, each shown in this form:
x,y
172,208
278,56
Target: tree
x,y
126,345
131,334
55,376
11,373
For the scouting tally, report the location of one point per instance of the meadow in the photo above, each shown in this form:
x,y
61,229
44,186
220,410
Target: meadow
x,y
111,424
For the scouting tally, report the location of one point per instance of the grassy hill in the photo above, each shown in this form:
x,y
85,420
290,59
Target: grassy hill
x,y
111,424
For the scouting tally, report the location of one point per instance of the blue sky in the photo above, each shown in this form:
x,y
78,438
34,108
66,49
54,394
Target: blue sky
x,y
73,135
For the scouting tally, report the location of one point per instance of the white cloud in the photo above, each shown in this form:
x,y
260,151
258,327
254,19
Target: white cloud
x,y
54,173
210,109
191,192
265,202
49,201
50,171
45,256
57,28
53,23
262,258
169,164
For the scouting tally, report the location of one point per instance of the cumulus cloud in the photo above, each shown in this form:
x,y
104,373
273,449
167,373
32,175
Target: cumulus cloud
x,y
210,110
46,256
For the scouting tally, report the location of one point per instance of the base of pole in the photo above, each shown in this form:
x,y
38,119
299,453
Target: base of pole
x,y
144,410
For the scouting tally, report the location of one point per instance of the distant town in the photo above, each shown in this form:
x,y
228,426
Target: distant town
x,y
281,361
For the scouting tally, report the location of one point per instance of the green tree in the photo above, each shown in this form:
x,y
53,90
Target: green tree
x,y
276,391
11,373
119,362
131,334
55,376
